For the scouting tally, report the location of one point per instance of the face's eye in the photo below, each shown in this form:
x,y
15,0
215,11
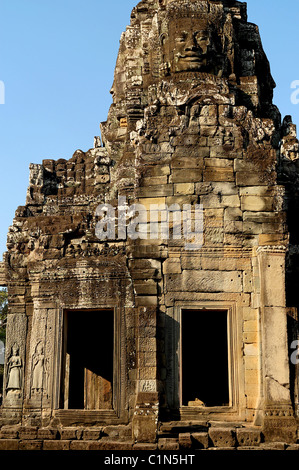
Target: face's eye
x,y
201,37
182,37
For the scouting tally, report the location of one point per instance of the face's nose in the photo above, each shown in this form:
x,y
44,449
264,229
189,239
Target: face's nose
x,y
191,44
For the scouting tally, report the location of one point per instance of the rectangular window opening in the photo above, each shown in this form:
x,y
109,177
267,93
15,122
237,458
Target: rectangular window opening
x,y
88,360
204,358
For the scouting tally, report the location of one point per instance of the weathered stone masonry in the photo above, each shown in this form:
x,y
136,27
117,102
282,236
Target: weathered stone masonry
x,y
192,122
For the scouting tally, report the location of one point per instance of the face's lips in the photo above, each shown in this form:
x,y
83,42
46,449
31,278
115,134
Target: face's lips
x,y
191,56
192,59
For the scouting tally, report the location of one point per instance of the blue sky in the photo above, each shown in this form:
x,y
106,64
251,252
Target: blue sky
x,y
57,60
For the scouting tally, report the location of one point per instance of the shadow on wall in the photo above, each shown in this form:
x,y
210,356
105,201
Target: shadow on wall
x,y
288,177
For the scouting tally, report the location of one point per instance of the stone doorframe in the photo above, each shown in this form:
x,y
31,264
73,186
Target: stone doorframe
x,y
236,386
84,284
116,363
118,413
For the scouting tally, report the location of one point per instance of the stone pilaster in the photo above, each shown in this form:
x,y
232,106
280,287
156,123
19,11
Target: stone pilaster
x,y
145,420
14,368
277,416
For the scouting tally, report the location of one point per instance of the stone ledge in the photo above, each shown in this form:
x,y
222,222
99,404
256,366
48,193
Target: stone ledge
x,y
9,432
111,445
168,444
28,433
30,444
163,444
47,434
79,445
222,437
9,444
248,437
180,437
56,445
145,446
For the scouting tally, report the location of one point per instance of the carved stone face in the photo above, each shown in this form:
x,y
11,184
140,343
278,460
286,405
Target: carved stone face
x,y
189,46
15,350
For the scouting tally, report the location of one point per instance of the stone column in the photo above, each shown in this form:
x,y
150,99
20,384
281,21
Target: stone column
x,y
145,420
278,417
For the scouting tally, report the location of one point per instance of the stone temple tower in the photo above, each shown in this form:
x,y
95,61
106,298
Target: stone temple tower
x,y
152,279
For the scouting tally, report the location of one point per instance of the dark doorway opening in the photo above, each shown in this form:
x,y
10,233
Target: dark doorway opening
x,y
204,354
88,368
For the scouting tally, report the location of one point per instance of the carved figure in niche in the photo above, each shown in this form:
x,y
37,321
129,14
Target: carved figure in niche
x,y
14,369
38,361
191,46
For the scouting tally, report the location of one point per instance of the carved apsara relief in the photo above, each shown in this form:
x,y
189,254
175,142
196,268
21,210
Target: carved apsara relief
x,y
14,370
39,371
